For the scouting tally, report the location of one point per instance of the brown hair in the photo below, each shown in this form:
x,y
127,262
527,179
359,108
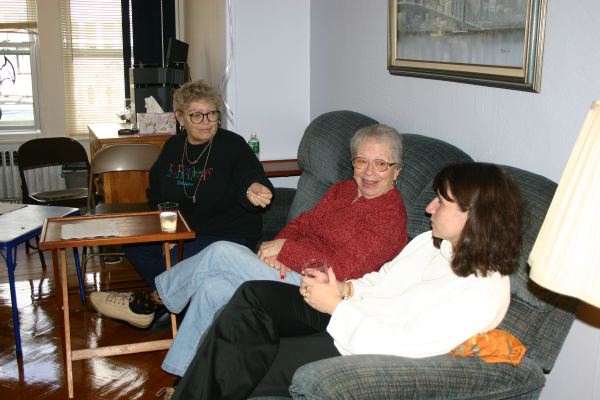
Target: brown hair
x,y
491,237
194,91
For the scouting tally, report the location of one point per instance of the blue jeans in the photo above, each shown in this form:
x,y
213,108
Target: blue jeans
x,y
149,261
207,281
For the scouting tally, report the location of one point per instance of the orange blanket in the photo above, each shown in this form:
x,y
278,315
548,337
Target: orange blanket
x,y
495,346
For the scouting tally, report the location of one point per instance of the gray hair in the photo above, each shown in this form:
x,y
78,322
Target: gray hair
x,y
383,134
194,91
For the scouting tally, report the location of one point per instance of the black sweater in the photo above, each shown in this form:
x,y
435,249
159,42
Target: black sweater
x,y
222,207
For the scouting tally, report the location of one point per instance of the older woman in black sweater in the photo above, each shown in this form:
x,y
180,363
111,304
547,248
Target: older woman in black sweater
x,y
218,183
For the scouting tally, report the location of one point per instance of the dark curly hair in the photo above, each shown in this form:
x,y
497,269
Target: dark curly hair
x,y
491,238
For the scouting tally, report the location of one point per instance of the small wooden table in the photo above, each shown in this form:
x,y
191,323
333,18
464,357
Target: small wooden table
x,y
131,228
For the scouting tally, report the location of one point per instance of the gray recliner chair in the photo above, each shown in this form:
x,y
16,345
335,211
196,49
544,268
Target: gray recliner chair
x,y
539,318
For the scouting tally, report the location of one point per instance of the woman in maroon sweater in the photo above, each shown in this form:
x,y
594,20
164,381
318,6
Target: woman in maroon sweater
x,y
352,233
359,224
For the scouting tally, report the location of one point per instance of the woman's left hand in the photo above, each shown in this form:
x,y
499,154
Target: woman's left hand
x,y
322,297
259,195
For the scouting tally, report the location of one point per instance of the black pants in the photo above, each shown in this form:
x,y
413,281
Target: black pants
x,y
255,345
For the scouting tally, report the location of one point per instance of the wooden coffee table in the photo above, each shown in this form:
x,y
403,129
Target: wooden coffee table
x,y
128,228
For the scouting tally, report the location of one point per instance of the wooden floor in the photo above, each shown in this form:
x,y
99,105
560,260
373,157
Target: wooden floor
x,y
40,373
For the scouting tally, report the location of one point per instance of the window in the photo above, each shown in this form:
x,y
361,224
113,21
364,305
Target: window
x,y
93,62
18,77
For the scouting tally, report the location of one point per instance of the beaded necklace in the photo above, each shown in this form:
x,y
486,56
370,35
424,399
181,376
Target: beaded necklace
x,y
201,177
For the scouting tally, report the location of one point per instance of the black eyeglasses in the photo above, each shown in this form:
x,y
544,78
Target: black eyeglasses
x,y
197,117
379,165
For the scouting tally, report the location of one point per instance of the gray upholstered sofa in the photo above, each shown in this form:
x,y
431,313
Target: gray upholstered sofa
x,y
540,319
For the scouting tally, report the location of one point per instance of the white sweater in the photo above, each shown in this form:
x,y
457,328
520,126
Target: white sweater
x,y
415,306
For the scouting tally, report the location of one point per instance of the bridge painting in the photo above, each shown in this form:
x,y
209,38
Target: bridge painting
x,y
487,32
486,42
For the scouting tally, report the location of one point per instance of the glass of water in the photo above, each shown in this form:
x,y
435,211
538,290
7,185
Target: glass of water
x,y
168,216
312,265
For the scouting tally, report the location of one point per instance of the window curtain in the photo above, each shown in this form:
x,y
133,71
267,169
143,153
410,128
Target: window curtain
x,y
145,22
152,20
92,37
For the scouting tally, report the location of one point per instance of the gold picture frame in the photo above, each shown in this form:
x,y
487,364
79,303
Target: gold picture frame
x,y
484,42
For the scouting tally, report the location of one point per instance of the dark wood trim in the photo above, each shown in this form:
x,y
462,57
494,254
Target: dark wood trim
x,y
281,168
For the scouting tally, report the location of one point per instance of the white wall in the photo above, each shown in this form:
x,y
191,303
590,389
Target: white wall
x,y
269,90
533,131
267,86
527,130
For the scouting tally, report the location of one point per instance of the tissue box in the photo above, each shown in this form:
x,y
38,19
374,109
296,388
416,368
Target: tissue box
x,y
156,122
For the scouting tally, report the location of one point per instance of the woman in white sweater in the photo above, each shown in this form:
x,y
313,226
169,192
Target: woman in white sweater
x,y
447,285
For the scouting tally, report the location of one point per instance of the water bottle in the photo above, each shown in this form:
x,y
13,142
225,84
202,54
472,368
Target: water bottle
x,y
254,144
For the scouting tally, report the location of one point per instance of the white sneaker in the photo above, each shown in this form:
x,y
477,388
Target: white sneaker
x,y
119,306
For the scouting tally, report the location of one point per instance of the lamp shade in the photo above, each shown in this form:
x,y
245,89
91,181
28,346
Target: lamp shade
x,y
566,255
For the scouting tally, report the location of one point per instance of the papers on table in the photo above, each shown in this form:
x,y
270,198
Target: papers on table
x,y
89,229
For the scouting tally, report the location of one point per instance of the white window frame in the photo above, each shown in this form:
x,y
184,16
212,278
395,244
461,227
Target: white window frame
x,y
10,131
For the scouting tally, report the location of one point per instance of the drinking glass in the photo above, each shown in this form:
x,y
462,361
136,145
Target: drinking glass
x,y
315,265
168,216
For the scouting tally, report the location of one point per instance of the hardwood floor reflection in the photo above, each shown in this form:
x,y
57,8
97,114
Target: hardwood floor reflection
x,y
40,373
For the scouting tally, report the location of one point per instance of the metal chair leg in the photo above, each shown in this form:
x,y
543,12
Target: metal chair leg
x,y
79,275
40,252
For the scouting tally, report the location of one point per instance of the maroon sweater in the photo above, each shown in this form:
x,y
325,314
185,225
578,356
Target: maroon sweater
x,y
354,238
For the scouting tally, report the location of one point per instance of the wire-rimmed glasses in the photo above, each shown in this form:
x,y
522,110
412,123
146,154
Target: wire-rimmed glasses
x,y
379,165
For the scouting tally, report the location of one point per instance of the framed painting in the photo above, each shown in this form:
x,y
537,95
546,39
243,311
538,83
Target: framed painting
x,y
484,42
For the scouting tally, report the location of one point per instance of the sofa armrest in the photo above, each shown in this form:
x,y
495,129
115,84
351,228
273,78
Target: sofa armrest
x,y
378,377
275,216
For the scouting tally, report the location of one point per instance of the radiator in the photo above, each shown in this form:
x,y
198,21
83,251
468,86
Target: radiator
x,y
40,179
